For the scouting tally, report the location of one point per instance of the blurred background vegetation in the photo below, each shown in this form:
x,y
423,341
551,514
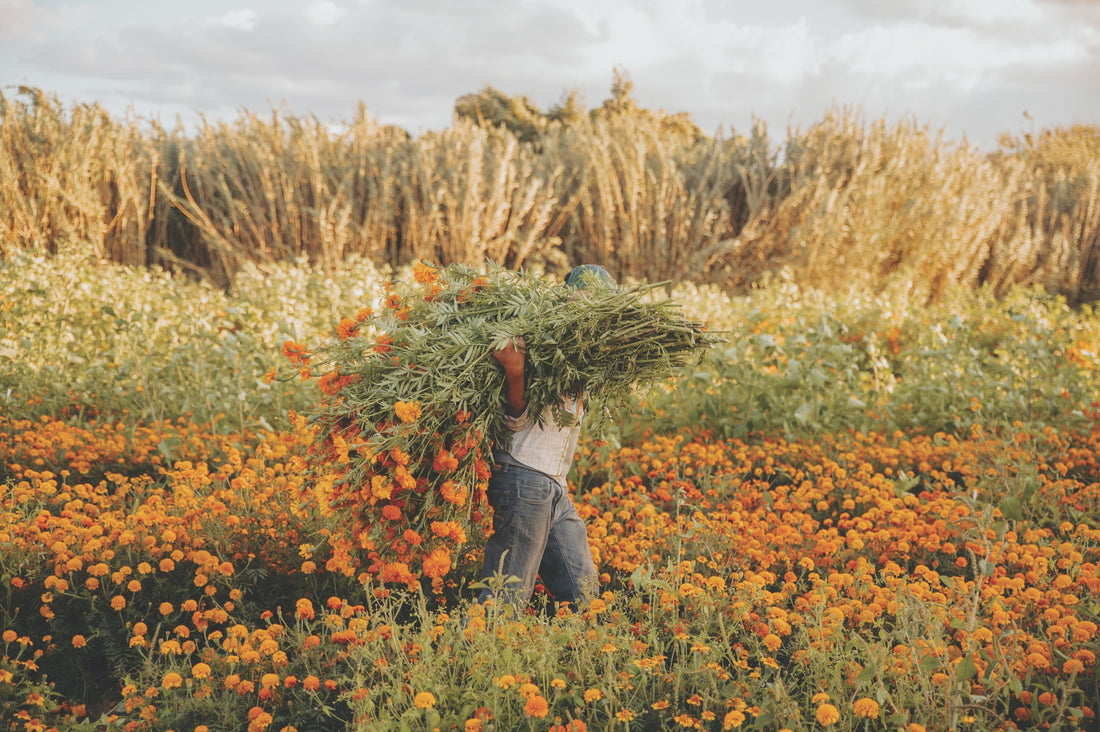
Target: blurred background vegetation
x,y
644,192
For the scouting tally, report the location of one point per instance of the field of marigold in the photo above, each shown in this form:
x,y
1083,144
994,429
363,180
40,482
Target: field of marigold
x,y
914,550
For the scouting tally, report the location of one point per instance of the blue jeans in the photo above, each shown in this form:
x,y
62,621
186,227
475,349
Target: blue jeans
x,y
536,531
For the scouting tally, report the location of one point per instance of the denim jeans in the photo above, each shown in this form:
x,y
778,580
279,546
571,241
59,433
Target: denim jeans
x,y
536,531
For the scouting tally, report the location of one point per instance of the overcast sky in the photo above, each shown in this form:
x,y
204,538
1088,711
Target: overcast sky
x,y
967,67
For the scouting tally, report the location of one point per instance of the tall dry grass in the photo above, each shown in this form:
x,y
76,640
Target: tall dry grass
x,y
75,179
843,201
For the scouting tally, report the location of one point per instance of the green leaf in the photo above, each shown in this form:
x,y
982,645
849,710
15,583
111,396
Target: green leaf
x,y
966,669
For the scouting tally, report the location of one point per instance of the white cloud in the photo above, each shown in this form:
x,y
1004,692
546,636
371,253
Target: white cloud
x,y
17,17
324,12
242,20
920,55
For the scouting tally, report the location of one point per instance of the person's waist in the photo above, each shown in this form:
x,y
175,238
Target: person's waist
x,y
504,462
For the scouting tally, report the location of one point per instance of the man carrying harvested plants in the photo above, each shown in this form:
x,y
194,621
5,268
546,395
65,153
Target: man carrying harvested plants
x,y
536,528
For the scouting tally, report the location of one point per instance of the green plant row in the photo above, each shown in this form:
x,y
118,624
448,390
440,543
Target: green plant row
x,y
80,338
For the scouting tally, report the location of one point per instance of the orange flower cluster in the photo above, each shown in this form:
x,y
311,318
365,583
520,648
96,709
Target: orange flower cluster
x,y
800,545
853,526
411,486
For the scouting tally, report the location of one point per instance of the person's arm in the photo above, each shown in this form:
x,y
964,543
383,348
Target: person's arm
x,y
512,358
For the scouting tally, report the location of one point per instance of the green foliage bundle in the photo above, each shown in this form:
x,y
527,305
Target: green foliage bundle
x,y
414,397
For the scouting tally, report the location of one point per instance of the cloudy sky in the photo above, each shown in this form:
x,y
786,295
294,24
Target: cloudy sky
x,y
972,68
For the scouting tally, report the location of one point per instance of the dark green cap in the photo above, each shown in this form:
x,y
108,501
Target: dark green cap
x,y
587,275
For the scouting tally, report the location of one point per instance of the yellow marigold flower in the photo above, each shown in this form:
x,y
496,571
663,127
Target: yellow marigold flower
x,y
528,690
865,707
506,681
591,695
659,705
407,411
536,706
424,700
171,680
820,697
827,715
733,719
200,671
557,684
269,681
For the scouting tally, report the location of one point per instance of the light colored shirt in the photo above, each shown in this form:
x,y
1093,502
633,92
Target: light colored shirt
x,y
547,448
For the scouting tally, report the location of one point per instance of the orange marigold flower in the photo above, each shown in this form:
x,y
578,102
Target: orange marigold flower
x,y
200,671
80,641
827,715
328,383
398,572
118,602
449,530
347,328
437,564
412,537
296,353
865,707
425,273
591,695
383,344
171,680
424,700
453,493
381,487
311,683
444,462
536,706
473,725
364,313
391,512
303,609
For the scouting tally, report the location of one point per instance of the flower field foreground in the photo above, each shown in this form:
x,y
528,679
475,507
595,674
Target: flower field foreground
x,y
857,581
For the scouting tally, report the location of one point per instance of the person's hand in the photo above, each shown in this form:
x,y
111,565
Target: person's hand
x,y
512,356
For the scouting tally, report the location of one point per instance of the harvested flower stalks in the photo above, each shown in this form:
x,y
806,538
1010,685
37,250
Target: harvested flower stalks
x,y
414,401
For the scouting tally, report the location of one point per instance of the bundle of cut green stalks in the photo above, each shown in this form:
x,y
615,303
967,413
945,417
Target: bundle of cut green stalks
x,y
415,397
